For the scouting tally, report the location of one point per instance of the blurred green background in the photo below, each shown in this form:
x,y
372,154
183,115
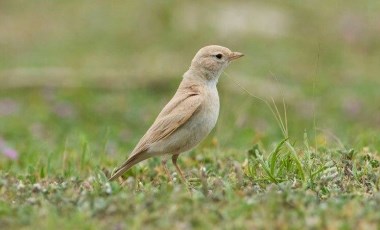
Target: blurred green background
x,y
101,71
81,81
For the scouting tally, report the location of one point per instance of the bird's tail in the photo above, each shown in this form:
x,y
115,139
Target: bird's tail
x,y
128,164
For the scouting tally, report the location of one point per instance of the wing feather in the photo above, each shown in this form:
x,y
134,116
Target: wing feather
x,y
173,116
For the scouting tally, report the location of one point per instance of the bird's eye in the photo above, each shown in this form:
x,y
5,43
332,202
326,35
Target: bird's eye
x,y
219,56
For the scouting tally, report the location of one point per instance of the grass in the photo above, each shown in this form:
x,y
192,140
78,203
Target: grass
x,y
76,95
266,190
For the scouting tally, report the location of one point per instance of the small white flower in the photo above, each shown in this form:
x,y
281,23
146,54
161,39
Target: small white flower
x,y
20,185
37,187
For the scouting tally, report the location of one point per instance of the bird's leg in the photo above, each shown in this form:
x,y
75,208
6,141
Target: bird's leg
x,y
174,160
163,162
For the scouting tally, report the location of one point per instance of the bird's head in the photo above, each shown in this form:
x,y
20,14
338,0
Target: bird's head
x,y
212,60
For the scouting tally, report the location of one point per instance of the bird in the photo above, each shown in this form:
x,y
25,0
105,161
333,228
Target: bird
x,y
189,116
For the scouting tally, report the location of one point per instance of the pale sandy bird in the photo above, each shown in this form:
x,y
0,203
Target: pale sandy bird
x,y
190,115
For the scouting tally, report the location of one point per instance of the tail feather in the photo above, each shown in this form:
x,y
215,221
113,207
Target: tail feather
x,y
128,164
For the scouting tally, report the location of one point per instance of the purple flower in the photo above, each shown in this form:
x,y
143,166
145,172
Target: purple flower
x,y
8,151
11,153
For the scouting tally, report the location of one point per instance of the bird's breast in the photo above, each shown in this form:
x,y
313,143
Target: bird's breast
x,y
205,119
211,108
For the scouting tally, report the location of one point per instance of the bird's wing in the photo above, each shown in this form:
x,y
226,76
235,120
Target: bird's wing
x,y
176,113
185,103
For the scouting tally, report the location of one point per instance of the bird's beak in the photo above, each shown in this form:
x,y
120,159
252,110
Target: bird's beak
x,y
235,55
